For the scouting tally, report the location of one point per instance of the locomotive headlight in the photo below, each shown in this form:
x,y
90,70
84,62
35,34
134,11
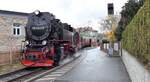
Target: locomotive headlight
x,y
44,42
26,42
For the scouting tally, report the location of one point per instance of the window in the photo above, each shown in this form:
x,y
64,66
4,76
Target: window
x,y
16,29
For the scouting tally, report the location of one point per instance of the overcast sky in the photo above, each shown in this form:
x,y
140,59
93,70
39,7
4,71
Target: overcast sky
x,y
74,12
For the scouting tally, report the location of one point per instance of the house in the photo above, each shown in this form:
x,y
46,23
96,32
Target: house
x,y
12,33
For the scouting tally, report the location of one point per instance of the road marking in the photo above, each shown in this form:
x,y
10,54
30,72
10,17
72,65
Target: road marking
x,y
54,75
58,72
68,67
64,69
50,78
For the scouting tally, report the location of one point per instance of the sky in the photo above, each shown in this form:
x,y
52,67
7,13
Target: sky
x,y
75,12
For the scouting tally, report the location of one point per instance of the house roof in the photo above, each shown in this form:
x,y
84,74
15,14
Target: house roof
x,y
13,13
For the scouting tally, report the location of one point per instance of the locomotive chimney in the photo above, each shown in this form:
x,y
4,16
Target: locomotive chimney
x,y
37,12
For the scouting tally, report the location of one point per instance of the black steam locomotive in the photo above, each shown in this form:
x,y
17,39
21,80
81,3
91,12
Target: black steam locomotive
x,y
44,36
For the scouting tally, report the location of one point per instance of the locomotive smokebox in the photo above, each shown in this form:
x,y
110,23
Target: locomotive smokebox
x,y
39,25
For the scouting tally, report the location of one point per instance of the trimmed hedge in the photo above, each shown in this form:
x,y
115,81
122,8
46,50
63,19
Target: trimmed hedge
x,y
136,37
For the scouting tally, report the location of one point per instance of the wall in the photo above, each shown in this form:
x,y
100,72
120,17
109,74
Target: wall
x,y
136,70
10,44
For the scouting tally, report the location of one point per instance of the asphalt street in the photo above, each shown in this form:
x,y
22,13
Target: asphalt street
x,y
97,67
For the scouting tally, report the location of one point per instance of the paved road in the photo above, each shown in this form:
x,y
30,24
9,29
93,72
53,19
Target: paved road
x,y
97,67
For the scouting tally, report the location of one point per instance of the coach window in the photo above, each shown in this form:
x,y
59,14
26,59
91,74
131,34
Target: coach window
x,y
16,29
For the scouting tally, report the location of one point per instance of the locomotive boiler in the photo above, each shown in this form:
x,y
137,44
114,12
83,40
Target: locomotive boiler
x,y
43,31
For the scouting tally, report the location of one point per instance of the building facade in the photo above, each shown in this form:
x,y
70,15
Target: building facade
x,y
12,33
89,33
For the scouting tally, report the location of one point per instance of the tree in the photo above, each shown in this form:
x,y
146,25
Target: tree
x,y
128,12
109,24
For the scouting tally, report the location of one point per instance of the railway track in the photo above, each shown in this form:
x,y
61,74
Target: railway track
x,y
9,77
52,75
30,75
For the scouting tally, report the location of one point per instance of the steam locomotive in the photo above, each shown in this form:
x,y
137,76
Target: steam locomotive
x,y
44,34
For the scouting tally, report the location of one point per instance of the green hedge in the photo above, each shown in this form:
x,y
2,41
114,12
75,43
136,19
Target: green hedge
x,y
136,37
